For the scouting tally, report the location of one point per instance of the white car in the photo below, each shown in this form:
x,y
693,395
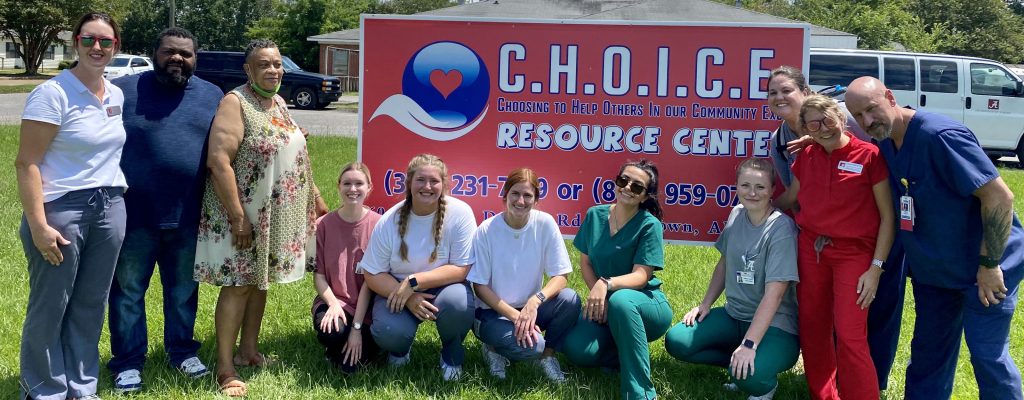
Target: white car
x,y
125,64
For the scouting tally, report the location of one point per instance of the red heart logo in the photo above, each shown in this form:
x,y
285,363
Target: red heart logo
x,y
445,82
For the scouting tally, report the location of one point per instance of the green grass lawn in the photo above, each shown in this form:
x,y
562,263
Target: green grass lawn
x,y
17,88
302,372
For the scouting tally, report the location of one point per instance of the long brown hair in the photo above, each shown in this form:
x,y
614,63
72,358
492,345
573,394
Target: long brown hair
x,y
417,162
521,175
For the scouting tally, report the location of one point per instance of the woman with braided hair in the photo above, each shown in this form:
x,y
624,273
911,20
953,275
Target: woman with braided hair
x,y
417,261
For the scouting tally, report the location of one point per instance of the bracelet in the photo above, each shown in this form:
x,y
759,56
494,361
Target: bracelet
x,y
988,262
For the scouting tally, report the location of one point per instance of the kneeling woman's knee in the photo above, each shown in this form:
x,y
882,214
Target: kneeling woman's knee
x,y
392,337
679,342
580,349
623,303
758,384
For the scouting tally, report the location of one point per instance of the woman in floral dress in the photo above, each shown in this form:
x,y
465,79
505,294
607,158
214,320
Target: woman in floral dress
x,y
258,219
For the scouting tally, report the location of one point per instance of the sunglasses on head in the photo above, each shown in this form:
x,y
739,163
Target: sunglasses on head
x,y
88,41
815,125
636,187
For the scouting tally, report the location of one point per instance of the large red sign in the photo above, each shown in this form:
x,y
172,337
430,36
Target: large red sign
x,y
573,100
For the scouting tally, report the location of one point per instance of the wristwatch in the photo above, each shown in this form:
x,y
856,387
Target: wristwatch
x,y
749,344
988,262
607,281
878,263
357,325
541,297
414,284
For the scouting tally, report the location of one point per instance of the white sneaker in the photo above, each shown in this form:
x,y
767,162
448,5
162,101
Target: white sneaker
x,y
766,396
396,361
450,372
126,381
551,369
731,387
495,362
193,368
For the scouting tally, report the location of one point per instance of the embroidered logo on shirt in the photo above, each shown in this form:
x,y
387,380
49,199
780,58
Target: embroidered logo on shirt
x,y
851,167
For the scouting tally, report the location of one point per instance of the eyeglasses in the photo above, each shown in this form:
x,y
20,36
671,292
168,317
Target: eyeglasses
x,y
636,187
106,42
815,125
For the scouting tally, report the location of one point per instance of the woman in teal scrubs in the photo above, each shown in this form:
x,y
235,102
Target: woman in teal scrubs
x,y
621,246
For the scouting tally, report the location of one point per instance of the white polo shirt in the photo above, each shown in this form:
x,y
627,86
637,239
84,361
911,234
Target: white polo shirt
x,y
456,248
86,153
513,262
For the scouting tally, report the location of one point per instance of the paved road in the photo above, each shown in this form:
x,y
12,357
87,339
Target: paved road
x,y
332,121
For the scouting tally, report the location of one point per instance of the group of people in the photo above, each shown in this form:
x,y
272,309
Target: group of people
x,y
816,268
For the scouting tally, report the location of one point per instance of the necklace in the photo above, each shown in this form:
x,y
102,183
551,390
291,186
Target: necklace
x,y
615,225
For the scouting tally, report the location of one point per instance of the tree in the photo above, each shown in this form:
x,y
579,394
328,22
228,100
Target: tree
x,y
142,24
216,24
36,24
980,28
294,21
406,7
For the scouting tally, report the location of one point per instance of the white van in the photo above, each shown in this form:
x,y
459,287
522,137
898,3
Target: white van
x,y
981,93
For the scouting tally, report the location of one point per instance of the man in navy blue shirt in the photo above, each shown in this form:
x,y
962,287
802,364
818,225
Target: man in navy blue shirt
x,y
963,242
167,116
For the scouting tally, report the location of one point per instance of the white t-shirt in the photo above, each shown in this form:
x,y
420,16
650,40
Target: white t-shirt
x,y
512,262
456,246
86,153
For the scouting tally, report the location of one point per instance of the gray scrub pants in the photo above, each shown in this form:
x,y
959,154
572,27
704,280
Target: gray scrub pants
x,y
394,332
59,341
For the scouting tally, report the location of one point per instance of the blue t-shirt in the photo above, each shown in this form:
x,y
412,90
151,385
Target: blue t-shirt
x,y
943,165
164,157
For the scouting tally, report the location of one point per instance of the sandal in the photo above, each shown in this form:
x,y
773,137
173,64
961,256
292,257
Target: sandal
x,y
232,386
260,361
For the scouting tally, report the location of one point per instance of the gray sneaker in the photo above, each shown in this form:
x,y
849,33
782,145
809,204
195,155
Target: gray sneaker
x,y
495,362
551,369
126,381
193,368
398,361
450,372
767,396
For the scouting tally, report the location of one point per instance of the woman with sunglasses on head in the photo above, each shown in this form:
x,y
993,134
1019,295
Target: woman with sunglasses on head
x,y
417,261
754,336
787,89
621,246
846,229
71,186
514,250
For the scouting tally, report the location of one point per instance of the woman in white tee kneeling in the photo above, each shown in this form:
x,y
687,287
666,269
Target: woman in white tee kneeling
x,y
517,318
419,254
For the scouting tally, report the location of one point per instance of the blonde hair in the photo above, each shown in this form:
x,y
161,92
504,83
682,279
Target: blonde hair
x,y
826,106
417,162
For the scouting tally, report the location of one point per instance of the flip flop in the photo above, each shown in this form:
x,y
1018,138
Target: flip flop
x,y
232,386
261,361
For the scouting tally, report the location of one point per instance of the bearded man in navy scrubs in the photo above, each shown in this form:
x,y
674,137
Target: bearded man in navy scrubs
x,y
963,242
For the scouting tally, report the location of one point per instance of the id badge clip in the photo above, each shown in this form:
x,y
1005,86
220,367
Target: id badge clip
x,y
906,208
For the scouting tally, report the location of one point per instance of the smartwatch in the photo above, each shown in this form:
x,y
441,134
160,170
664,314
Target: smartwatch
x,y
414,284
749,344
541,297
357,325
878,263
607,281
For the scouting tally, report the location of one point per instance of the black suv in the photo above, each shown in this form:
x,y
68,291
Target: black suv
x,y
307,90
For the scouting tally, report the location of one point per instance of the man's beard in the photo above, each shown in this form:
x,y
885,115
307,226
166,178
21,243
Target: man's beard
x,y
179,79
880,131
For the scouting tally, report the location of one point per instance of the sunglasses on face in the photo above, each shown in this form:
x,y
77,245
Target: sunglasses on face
x,y
89,41
636,187
815,125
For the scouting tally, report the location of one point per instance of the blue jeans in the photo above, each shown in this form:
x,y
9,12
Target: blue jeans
x,y
395,332
60,355
174,250
556,317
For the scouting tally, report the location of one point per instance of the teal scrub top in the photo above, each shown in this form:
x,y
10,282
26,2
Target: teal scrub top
x,y
639,241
